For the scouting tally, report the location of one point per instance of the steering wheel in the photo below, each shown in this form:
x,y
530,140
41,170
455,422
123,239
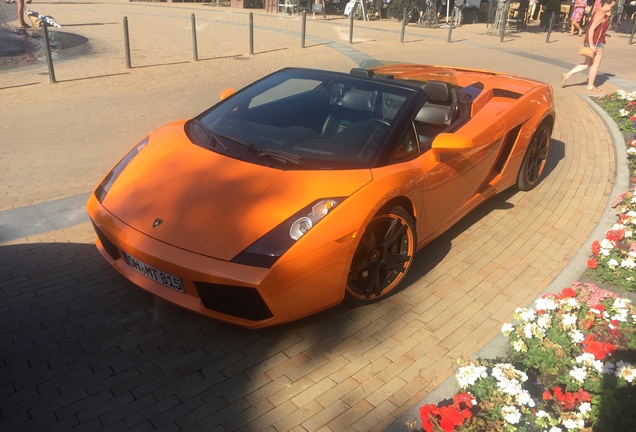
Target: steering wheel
x,y
380,121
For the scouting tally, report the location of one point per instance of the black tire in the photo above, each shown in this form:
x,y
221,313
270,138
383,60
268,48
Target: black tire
x,y
536,156
384,256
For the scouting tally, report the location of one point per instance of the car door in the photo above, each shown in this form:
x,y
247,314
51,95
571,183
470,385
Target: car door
x,y
456,170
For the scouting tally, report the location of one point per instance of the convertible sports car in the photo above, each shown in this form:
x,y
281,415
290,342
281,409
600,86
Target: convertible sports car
x,y
308,187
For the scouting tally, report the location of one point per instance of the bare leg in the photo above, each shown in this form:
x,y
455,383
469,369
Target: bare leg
x,y
21,21
594,67
576,69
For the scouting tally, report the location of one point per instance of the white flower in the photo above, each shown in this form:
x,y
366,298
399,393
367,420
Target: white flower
x,y
507,328
575,422
628,263
526,315
519,346
585,408
543,321
542,414
577,336
579,373
527,331
612,263
468,375
546,304
623,112
625,371
511,414
555,429
568,320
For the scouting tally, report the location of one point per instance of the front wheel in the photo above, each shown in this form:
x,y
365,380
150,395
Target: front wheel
x,y
383,257
535,158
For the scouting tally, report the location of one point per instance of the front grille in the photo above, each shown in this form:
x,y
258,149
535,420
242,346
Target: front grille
x,y
232,300
108,245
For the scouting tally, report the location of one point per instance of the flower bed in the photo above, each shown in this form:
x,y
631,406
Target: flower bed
x,y
613,259
571,360
570,367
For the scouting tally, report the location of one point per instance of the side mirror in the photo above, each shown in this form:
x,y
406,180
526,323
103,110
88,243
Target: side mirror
x,y
226,93
451,143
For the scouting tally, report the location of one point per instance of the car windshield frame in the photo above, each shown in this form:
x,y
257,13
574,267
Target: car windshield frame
x,y
307,119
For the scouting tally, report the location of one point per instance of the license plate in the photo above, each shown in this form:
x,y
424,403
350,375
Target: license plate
x,y
156,275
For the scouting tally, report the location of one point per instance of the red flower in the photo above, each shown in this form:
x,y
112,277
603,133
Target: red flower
x,y
588,324
425,414
596,247
450,418
592,263
547,395
567,292
599,307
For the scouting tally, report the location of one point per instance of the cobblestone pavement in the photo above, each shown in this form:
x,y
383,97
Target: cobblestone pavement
x,y
82,349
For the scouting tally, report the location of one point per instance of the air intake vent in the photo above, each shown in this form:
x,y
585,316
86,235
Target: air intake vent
x,y
506,94
107,244
238,301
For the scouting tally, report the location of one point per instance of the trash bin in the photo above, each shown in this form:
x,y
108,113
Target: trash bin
x,y
469,15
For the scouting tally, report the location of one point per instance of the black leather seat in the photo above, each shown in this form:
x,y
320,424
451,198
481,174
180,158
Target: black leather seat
x,y
438,112
354,106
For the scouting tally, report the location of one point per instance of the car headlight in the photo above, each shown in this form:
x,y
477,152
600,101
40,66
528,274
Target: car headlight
x,y
109,180
265,251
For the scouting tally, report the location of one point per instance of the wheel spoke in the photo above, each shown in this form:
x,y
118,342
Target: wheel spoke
x,y
381,259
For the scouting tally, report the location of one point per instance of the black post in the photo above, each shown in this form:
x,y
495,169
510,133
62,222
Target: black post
x,y
403,27
127,43
195,52
47,50
251,33
450,27
552,19
631,37
303,30
351,27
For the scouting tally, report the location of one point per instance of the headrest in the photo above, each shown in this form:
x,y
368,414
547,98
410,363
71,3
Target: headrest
x,y
438,92
356,100
433,114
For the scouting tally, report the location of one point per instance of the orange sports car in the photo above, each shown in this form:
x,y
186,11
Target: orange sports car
x,y
309,187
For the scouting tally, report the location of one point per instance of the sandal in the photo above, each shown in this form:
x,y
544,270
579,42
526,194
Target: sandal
x,y
563,80
594,89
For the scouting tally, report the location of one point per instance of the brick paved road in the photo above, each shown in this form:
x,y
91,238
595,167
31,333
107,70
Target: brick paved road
x,y
83,349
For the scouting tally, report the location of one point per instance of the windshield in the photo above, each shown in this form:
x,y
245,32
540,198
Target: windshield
x,y
305,119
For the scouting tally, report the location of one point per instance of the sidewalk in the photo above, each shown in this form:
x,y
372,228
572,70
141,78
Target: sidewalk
x,y
82,348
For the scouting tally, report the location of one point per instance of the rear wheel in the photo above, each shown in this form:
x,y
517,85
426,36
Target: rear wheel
x,y
535,158
383,257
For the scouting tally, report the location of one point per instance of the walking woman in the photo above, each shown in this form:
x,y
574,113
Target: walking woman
x,y
594,38
577,15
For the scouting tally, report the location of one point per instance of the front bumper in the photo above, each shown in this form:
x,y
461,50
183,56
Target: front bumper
x,y
239,294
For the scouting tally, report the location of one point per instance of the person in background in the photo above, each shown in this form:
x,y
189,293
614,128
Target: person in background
x,y
577,16
21,10
594,38
459,8
324,8
532,8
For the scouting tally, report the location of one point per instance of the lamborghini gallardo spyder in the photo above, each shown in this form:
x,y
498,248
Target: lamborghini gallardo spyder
x,y
309,187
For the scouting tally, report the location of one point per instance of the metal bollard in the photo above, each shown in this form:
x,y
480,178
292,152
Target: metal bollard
x,y
126,43
552,19
251,25
403,27
47,50
303,30
450,27
351,27
195,52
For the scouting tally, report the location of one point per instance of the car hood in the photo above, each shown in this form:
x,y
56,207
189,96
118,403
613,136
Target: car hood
x,y
212,204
